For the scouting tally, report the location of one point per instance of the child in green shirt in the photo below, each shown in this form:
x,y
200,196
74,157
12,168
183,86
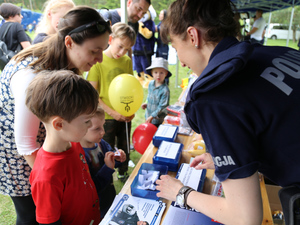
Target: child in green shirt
x,y
115,62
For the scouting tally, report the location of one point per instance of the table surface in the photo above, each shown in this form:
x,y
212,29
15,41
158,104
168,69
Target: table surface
x,y
186,140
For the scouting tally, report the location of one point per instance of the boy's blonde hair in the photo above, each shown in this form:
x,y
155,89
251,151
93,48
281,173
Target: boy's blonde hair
x,y
122,30
60,93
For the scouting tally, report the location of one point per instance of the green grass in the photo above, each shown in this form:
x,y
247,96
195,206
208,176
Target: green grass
x,y
31,35
282,42
7,212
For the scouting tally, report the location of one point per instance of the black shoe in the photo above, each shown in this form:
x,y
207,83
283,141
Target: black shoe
x,y
122,177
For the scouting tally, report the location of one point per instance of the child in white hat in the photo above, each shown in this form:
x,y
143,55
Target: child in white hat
x,y
158,92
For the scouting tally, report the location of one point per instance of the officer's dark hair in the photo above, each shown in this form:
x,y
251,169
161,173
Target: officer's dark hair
x,y
215,18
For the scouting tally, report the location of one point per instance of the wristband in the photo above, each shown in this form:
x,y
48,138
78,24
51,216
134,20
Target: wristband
x,y
186,194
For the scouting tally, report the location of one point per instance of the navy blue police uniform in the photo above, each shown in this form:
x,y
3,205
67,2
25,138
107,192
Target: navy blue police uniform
x,y
246,104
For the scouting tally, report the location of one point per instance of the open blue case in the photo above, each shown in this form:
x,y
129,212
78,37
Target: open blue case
x,y
151,194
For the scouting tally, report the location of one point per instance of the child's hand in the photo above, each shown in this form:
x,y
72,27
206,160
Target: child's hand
x,y
149,119
121,157
129,118
117,116
109,159
144,106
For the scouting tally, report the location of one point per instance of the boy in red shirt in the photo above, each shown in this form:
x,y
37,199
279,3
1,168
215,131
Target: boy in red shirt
x,y
62,188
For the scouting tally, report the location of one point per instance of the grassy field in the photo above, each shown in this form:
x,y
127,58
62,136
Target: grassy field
x,y
7,212
282,42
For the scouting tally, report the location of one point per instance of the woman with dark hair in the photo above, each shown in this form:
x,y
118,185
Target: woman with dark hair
x,y
78,45
15,35
162,49
245,103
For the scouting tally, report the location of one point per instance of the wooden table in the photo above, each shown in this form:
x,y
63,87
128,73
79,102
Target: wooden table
x,y
186,140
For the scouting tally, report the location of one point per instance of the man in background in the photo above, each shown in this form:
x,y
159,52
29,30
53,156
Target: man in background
x,y
136,9
258,27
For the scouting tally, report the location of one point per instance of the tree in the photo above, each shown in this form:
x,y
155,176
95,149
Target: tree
x,y
283,17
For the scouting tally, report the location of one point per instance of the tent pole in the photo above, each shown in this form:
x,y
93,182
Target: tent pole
x,y
30,5
269,21
123,11
290,26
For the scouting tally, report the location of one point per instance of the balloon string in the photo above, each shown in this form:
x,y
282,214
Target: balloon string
x,y
127,137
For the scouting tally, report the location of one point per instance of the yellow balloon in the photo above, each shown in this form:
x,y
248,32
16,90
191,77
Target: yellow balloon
x,y
125,94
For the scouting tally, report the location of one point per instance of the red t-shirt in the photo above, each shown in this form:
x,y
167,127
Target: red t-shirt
x,y
62,188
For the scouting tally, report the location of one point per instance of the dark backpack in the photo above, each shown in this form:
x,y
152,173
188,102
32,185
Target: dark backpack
x,y
5,54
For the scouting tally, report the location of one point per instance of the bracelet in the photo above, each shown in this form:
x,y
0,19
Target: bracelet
x,y
186,195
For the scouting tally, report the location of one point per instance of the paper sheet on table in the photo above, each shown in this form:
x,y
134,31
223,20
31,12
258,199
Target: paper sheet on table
x,y
165,131
168,150
189,176
127,209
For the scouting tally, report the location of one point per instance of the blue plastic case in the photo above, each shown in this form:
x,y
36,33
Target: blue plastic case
x,y
150,194
168,153
165,132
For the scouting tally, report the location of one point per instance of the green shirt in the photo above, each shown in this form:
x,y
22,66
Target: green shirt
x,y
105,72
